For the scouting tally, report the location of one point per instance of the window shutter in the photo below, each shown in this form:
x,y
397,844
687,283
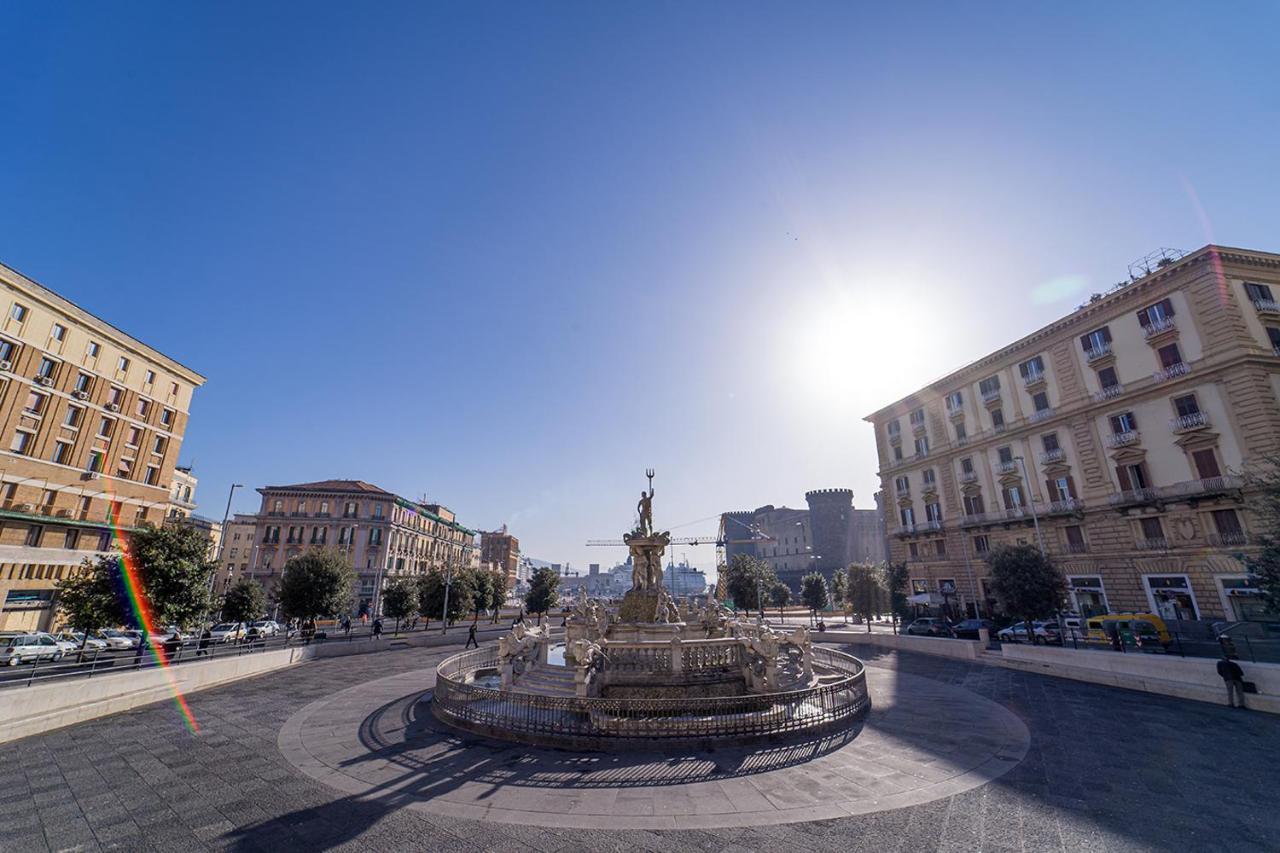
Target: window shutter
x,y
1167,305
1084,342
1106,334
1123,475
1143,319
1071,487
1050,490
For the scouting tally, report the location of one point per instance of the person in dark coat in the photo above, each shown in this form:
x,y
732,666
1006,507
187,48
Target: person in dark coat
x,y
1233,676
377,628
202,648
471,638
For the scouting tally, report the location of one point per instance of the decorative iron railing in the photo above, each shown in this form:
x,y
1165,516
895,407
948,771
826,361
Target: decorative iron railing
x,y
839,698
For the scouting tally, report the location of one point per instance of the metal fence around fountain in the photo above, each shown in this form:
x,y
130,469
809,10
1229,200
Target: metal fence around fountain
x,y
603,722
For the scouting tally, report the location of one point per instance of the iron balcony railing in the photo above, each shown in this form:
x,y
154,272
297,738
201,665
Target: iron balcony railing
x,y
1266,306
1110,392
1229,540
1186,423
1010,467
1159,327
1066,505
991,396
1097,352
968,476
1179,491
1048,457
1180,368
1124,439
1041,415
1033,378
1155,543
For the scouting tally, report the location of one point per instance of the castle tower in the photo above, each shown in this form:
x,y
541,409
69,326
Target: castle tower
x,y
735,528
830,512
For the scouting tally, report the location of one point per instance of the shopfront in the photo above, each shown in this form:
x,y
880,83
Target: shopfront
x,y
1088,597
1242,601
1171,597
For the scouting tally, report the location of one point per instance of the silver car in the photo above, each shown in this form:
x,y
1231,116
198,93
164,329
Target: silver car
x,y
29,647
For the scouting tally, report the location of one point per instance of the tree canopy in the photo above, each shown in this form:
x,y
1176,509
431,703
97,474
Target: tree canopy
x,y
544,590
244,601
316,583
1264,566
497,593
399,599
88,598
746,579
1025,582
866,590
780,594
173,565
839,588
813,591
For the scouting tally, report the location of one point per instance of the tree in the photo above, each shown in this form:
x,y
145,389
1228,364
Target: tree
x,y
1264,565
813,591
316,583
481,591
839,589
87,598
431,595
1026,583
245,601
865,591
497,593
895,577
780,594
175,572
746,580
399,599
544,591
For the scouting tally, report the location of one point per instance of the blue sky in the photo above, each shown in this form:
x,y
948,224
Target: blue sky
x,y
509,255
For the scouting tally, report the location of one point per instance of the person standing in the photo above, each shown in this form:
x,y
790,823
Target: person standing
x,y
1233,677
471,638
377,628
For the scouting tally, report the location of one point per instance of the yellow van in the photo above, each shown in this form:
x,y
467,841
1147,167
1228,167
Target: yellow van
x,y
1143,627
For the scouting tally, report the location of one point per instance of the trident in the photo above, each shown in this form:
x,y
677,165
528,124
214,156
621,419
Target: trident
x,y
648,472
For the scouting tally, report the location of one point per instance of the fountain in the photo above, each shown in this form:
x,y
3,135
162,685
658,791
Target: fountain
x,y
653,672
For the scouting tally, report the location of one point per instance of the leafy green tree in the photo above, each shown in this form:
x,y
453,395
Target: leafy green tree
x,y
895,577
780,595
481,591
1263,479
746,580
432,589
813,592
399,599
316,583
866,591
1026,583
87,598
839,589
175,571
245,601
430,595
544,591
497,593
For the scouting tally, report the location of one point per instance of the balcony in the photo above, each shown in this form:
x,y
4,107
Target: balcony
x,y
991,397
1108,393
1041,415
1173,371
1159,543
1235,539
1033,379
1159,329
1010,467
1077,548
955,414
1188,423
1066,506
1048,457
918,427
1123,439
904,530
1266,306
895,435
1097,353
931,526
968,477
1186,490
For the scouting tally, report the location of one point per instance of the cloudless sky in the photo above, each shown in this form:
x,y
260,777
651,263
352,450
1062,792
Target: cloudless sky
x,y
507,256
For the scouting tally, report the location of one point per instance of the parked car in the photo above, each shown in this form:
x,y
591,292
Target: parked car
x,y
29,647
968,629
1044,632
1135,624
68,646
117,640
266,627
92,644
929,626
227,632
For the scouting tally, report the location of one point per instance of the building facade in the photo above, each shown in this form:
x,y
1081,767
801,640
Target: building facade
x,y
238,550
825,537
1114,438
381,533
182,493
501,551
93,421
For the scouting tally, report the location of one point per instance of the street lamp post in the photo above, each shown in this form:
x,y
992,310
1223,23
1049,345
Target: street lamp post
x,y
1035,518
222,534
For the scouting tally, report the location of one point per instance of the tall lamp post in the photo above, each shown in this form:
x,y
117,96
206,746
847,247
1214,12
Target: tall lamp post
x,y
1035,518
222,533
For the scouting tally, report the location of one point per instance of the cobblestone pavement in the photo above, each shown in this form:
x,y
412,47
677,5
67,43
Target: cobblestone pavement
x,y
1108,770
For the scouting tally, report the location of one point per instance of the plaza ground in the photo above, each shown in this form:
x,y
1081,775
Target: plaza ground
x,y
1100,769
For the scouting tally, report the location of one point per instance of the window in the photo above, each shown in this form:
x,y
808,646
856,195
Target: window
x,y
58,333
122,365
93,349
104,427
1206,463
70,539
913,549
1050,442
166,417
1273,335
922,446
908,516
1075,538
1032,368
377,510
35,403
1005,454
144,407
22,442
973,505
941,547
989,386
173,389
375,536
917,417
893,428
83,381
1257,292
48,367
1161,311
124,469
955,401
34,534
1123,423
1107,378
1186,406
61,452
302,507
343,537
1227,523
18,312
95,461
160,444
961,434
7,350
324,507
1133,477
902,485
149,378
966,465
928,477
933,512
981,544
1151,528
1169,355
1012,497
132,437
350,509
897,453
1061,489
997,420
1097,341
1041,401
277,506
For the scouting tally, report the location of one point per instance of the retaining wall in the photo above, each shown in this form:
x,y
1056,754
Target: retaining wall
x,y
962,649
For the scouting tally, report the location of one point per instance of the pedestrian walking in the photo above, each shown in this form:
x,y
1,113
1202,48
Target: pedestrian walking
x,y
1233,677
471,638
346,625
172,646
202,648
377,628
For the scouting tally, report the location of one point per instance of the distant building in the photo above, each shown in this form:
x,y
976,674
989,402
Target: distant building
x,y
208,528
182,494
825,537
238,550
502,551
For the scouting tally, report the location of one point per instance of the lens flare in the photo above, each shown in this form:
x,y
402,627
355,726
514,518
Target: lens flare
x,y
136,595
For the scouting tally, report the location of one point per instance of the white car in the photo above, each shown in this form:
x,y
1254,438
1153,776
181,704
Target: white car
x,y
1045,632
67,646
29,647
93,644
117,640
227,632
266,627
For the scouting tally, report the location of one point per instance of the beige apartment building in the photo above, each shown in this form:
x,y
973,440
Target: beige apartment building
x,y
1116,436
382,533
91,418
501,552
238,550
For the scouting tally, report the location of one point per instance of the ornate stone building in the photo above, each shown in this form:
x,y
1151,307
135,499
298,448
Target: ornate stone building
x,y
501,551
92,419
1115,436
